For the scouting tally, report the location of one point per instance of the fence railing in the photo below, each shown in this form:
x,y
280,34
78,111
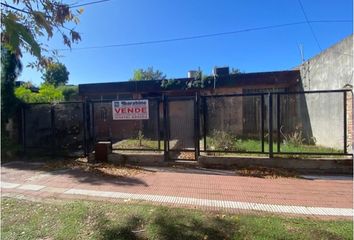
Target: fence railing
x,y
277,123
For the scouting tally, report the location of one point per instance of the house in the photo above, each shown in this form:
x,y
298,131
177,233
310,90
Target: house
x,y
308,114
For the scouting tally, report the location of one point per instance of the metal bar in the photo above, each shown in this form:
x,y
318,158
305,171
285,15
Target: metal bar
x,y
52,121
85,125
93,124
262,122
181,150
223,151
278,123
158,125
316,153
111,100
315,91
23,116
270,124
345,122
180,98
235,95
205,122
168,123
165,147
137,149
281,93
48,103
196,125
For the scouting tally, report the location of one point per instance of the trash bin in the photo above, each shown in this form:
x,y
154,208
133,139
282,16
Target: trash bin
x,y
101,151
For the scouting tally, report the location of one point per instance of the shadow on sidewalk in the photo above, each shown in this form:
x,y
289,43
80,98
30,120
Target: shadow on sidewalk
x,y
89,174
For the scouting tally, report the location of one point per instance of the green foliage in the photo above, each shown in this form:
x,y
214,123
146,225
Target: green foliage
x,y
47,93
172,84
24,23
11,68
24,94
296,138
148,74
235,71
9,148
140,137
198,82
71,93
221,140
56,74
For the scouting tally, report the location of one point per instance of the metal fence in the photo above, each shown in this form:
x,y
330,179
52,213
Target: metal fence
x,y
56,129
131,135
276,123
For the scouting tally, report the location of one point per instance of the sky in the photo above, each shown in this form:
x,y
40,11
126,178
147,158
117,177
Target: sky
x,y
122,21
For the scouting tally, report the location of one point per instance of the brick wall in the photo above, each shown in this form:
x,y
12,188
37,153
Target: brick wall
x,y
350,123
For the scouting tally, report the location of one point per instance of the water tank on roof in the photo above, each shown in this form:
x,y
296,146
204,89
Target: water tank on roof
x,y
192,74
221,71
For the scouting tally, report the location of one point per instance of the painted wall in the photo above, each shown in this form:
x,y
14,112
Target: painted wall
x,y
332,69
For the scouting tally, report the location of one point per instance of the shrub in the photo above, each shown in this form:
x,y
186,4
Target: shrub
x,y
295,138
221,140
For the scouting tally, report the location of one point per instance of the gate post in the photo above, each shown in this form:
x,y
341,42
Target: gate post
x,y
52,121
23,126
196,126
84,116
270,125
165,126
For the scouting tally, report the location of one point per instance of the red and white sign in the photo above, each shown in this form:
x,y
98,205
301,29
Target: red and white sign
x,y
130,109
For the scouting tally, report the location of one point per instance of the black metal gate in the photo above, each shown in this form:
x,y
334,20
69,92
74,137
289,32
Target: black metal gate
x,y
182,138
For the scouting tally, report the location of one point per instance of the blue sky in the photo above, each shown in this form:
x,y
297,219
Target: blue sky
x,y
122,21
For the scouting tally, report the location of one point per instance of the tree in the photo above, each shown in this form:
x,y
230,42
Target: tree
x,y
235,71
70,93
56,74
47,94
148,74
24,22
11,68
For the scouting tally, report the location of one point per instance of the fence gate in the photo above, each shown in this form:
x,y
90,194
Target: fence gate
x,y
182,128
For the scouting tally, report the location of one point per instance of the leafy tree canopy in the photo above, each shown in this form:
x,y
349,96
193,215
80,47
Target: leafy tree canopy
x,y
47,93
70,93
56,74
23,23
148,74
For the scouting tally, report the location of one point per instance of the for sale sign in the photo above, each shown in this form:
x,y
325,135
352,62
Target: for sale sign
x,y
130,109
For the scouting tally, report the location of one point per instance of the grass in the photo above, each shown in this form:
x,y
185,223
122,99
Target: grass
x,y
135,143
256,145
22,219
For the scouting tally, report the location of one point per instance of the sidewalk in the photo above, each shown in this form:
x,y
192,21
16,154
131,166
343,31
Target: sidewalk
x,y
325,197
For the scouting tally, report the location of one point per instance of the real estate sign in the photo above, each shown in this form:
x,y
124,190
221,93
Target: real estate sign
x,y
130,109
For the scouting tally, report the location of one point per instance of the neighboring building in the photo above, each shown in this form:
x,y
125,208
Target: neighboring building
x,y
241,115
330,70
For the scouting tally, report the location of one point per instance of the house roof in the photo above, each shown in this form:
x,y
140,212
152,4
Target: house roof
x,y
233,80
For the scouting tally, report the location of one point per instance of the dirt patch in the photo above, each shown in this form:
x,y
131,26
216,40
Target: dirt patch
x,y
97,168
262,172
